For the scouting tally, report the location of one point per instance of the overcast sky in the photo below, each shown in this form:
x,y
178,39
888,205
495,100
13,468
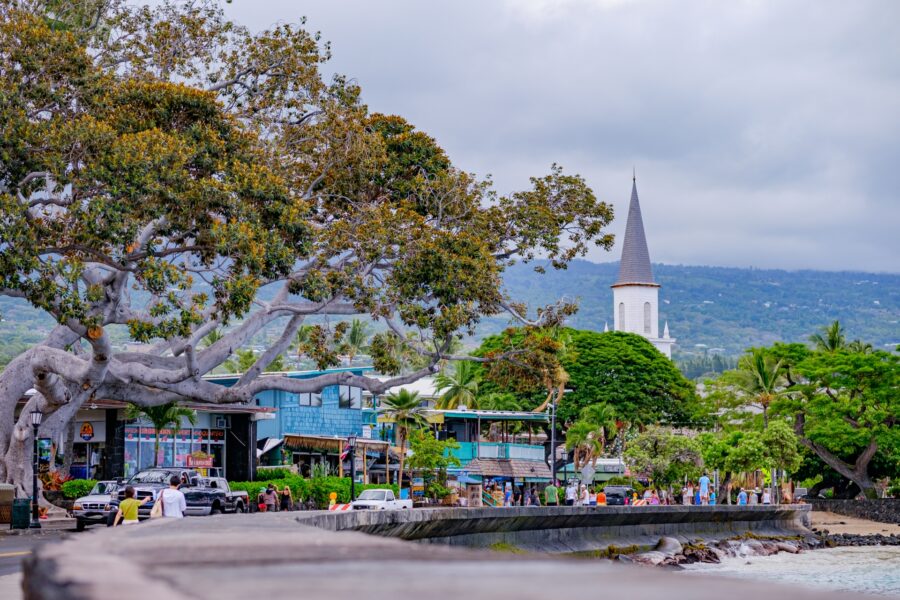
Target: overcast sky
x,y
764,133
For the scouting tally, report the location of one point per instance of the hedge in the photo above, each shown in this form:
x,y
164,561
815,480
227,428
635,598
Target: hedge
x,y
317,488
76,488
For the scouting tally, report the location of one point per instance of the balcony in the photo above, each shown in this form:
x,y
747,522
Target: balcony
x,y
469,451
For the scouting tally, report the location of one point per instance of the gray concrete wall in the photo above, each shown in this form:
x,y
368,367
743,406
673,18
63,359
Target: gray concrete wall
x,y
569,529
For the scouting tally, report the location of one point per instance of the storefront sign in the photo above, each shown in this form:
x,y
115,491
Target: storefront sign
x,y
199,460
418,487
87,431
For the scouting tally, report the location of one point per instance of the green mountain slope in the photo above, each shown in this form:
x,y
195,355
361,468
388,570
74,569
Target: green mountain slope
x,y
720,307
728,308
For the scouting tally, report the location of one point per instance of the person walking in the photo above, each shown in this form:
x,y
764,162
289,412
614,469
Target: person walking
x,y
128,508
570,494
173,502
551,495
767,496
287,499
690,493
270,498
753,498
742,498
704,489
654,498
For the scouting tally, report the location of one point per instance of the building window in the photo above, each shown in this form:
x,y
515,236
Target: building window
x,y
621,326
646,318
310,399
350,397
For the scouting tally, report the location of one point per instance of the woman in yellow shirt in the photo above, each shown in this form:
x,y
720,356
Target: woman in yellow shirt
x,y
128,508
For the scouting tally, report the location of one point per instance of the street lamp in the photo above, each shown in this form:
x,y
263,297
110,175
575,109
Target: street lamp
x,y
553,443
36,417
351,441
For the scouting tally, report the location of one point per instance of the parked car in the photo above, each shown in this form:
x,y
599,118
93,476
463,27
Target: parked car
x,y
618,495
377,499
94,508
201,497
232,501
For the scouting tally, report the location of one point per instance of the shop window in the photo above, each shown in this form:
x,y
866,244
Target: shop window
x,y
311,399
350,397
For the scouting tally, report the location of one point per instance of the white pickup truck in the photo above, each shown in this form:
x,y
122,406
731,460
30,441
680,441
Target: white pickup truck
x,y
374,499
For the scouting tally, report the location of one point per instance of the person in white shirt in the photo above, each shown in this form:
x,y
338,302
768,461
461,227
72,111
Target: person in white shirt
x,y
766,496
571,493
173,500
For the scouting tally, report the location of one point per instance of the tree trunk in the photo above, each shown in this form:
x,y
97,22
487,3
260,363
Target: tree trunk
x,y
69,451
400,466
858,473
156,447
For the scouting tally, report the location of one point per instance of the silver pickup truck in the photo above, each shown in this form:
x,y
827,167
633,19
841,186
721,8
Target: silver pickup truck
x,y
94,508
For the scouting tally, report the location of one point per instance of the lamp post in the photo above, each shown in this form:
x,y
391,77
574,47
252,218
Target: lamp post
x,y
36,417
351,441
553,442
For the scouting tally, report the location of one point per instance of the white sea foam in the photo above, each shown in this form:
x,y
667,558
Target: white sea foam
x,y
871,569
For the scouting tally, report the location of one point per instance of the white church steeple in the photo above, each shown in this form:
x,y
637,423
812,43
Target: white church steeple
x,y
635,293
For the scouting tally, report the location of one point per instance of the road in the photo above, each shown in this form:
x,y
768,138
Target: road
x,y
13,549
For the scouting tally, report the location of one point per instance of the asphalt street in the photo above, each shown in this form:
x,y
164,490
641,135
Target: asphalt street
x,y
13,550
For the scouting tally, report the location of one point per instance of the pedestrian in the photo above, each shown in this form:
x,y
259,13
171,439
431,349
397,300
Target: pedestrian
x,y
753,498
767,496
712,498
742,498
697,496
261,500
551,495
570,494
654,498
584,497
690,493
287,499
601,498
173,502
128,508
704,489
534,498
270,498
592,497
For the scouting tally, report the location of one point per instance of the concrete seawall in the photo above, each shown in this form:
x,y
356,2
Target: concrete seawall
x,y
569,529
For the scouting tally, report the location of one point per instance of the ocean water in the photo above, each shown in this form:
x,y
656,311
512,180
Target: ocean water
x,y
872,570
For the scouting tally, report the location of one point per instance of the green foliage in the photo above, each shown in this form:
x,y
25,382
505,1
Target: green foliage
x,y
432,457
245,358
664,456
317,488
76,488
459,387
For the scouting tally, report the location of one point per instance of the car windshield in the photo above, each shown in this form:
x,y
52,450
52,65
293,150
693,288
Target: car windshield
x,y
371,495
103,487
152,477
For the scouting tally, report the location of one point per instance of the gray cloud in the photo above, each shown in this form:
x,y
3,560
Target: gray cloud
x,y
764,133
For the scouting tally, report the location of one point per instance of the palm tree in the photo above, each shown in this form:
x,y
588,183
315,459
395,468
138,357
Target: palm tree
x,y
357,340
161,416
405,410
212,337
830,338
604,417
860,347
760,376
584,438
461,386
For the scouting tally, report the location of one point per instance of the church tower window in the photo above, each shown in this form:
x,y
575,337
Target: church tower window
x,y
621,326
647,318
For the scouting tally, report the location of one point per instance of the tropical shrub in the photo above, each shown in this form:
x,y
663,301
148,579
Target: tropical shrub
x,y
76,488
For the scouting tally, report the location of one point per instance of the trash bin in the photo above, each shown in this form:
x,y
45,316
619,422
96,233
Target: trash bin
x,y
21,513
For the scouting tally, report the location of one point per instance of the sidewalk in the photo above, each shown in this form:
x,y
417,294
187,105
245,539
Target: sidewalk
x,y
54,524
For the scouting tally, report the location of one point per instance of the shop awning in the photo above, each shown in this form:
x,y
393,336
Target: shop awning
x,y
331,444
509,467
268,445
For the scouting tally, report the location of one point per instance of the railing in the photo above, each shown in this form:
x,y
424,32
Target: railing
x,y
488,499
469,451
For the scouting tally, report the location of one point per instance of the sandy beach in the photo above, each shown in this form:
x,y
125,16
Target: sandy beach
x,y
840,524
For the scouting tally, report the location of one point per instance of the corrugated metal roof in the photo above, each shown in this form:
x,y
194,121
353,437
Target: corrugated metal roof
x,y
635,264
508,467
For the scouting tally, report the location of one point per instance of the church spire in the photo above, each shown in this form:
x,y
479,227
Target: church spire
x,y
634,267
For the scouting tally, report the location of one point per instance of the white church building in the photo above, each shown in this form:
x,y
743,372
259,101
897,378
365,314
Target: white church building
x,y
635,293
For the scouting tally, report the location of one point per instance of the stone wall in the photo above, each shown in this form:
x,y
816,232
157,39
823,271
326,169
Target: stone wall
x,y
886,510
570,529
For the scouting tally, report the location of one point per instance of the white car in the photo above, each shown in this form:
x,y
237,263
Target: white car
x,y
94,508
375,499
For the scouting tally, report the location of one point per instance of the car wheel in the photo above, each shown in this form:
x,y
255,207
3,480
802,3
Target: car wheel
x,y
79,525
215,510
239,507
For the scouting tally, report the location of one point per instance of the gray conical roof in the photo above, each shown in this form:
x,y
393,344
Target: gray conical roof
x,y
635,264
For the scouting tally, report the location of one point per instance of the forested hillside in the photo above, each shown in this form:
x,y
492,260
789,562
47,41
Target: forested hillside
x,y
730,308
720,307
